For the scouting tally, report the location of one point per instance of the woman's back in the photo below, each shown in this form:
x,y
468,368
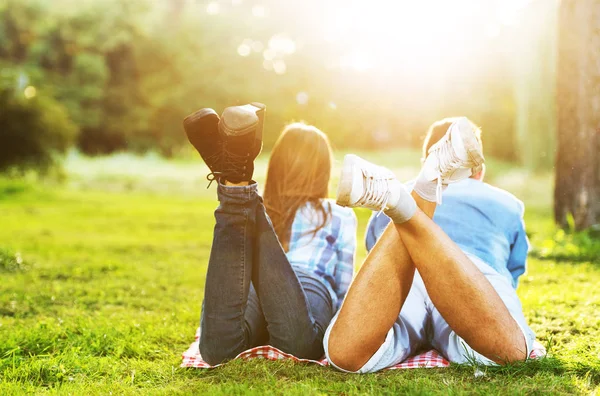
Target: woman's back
x,y
318,236
327,252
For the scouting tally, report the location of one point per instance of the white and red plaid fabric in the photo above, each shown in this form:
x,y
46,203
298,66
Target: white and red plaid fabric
x,y
192,358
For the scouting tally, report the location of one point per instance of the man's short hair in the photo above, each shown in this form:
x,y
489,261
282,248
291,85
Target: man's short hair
x,y
439,128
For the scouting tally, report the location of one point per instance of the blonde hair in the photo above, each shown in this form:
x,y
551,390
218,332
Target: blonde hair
x,y
298,173
438,129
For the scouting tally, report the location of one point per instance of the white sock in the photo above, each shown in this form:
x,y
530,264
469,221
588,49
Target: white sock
x,y
404,208
427,189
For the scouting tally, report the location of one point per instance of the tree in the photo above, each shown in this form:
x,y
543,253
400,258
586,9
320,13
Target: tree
x,y
577,191
35,129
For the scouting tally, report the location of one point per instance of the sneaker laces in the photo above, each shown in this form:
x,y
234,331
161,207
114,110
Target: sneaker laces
x,y
447,162
376,191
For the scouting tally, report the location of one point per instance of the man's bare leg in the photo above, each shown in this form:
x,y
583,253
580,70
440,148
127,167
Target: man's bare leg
x,y
458,289
461,293
375,297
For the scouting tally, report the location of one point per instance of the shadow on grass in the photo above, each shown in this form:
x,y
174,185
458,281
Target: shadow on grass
x,y
546,374
549,365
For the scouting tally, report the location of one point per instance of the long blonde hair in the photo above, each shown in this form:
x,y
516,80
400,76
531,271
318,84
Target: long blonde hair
x,y
298,173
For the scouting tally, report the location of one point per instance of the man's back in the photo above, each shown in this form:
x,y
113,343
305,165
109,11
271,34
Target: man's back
x,y
482,220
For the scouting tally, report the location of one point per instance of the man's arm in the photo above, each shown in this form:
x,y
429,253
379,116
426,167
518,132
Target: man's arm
x,y
517,261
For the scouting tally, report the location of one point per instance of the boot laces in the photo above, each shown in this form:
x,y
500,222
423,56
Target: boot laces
x,y
211,177
233,164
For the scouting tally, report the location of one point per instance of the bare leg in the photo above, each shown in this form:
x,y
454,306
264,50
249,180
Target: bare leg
x,y
388,268
461,293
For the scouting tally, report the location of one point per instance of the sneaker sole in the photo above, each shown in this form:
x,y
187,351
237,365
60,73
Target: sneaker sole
x,y
474,153
344,192
473,148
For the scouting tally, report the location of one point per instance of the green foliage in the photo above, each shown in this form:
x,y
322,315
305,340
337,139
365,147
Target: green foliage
x,y
128,72
570,246
35,131
11,262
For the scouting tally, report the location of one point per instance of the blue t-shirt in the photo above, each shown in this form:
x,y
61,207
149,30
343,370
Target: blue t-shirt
x,y
482,220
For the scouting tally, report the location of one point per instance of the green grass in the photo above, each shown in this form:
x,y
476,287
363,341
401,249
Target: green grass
x,y
102,280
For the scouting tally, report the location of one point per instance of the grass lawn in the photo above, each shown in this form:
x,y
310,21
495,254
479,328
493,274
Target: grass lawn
x,y
102,280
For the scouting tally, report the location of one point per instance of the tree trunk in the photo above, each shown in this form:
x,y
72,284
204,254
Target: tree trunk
x,y
577,190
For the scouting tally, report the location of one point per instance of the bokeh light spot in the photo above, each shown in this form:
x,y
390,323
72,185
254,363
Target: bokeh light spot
x,y
279,66
244,49
282,44
30,92
302,98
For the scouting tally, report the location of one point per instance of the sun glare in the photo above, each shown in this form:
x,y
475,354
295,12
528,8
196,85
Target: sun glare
x,y
213,8
428,37
259,11
379,33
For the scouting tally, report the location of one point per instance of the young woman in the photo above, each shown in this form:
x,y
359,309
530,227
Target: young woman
x,y
280,265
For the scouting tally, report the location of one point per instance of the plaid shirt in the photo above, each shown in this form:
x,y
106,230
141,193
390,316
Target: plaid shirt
x,y
330,253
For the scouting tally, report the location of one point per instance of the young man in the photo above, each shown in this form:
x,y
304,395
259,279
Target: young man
x,y
419,289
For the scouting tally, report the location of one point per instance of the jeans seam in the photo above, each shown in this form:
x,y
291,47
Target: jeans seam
x,y
243,277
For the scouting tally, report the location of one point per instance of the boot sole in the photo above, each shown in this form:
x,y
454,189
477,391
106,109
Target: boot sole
x,y
233,122
197,116
197,124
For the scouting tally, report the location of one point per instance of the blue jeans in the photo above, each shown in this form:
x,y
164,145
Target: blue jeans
x,y
252,295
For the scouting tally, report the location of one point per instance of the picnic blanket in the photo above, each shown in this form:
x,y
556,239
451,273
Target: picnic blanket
x,y
428,359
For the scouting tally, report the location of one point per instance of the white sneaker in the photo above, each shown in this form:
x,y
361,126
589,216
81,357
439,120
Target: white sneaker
x,y
366,185
455,157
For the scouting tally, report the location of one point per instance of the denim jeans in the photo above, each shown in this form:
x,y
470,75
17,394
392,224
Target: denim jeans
x,y
252,295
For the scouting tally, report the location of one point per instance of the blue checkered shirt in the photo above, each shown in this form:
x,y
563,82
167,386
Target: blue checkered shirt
x,y
330,253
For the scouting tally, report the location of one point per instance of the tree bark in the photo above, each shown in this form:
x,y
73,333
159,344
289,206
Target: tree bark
x,y
577,189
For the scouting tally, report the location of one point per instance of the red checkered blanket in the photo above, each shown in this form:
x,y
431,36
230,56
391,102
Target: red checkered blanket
x,y
192,358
